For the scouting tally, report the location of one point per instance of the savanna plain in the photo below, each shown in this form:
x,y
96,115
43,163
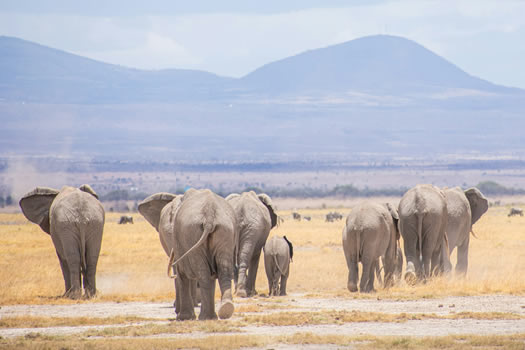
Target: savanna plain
x,y
133,309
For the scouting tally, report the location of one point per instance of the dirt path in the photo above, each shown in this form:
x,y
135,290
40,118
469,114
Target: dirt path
x,y
163,313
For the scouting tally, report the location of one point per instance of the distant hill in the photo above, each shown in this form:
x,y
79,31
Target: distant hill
x,y
34,73
376,64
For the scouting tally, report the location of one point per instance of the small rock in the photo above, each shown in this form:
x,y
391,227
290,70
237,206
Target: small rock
x,y
440,305
452,305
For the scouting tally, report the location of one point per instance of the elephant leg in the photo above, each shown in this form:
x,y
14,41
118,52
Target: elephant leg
x,y
225,284
245,256
65,273
184,298
195,293
368,269
91,255
72,261
413,269
252,273
207,286
282,288
176,302
462,264
377,271
353,275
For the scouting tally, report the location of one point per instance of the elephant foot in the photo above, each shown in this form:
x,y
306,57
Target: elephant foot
x,y
352,287
73,294
242,293
89,294
204,317
185,316
410,278
226,310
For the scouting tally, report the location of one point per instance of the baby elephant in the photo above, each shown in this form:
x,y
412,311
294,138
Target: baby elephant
x,y
278,252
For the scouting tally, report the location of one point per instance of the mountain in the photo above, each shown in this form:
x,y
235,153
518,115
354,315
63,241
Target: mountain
x,y
34,73
377,64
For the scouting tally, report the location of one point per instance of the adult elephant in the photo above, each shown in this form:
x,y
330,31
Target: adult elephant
x,y
370,233
464,208
423,223
205,232
160,210
255,218
74,218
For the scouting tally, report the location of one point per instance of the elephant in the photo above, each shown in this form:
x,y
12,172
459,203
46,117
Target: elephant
x,y
124,219
278,253
204,236
255,218
423,222
160,210
515,211
296,216
370,233
74,218
333,216
464,208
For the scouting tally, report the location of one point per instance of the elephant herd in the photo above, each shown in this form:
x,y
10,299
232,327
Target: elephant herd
x,y
432,222
208,238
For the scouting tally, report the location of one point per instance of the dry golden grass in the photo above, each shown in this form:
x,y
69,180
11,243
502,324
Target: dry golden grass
x,y
340,317
132,264
37,341
40,322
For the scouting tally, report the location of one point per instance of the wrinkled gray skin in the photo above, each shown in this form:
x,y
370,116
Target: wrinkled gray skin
x,y
464,208
277,257
370,232
160,210
423,223
205,232
74,218
255,218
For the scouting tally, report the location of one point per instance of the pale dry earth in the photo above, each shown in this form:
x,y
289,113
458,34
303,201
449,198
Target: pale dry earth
x,y
162,313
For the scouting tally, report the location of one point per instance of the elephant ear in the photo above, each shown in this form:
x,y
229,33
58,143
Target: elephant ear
x,y
232,195
395,217
267,201
151,207
478,203
290,245
35,206
86,188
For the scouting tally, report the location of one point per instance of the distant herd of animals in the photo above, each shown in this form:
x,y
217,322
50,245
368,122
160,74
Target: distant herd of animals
x,y
208,238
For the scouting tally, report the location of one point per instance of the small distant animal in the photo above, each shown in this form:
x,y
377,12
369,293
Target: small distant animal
x,y
307,218
296,216
516,211
124,219
333,216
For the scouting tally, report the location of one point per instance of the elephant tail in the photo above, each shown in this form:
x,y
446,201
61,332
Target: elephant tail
x,y
276,261
420,232
208,227
473,234
83,265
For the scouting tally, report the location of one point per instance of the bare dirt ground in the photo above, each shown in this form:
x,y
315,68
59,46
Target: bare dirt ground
x,y
163,313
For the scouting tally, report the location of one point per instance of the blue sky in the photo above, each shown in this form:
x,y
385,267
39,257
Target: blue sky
x,y
486,38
